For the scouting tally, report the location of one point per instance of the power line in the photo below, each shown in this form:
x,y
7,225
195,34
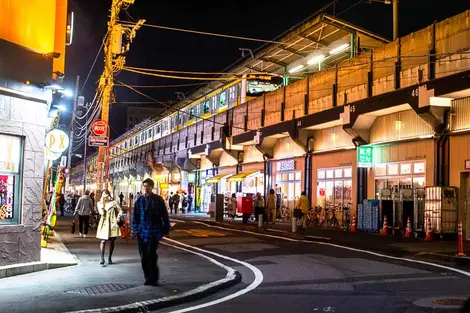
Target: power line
x,y
162,86
125,68
212,34
94,62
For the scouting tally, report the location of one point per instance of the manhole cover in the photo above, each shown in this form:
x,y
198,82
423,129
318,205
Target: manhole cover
x,y
443,302
449,301
101,289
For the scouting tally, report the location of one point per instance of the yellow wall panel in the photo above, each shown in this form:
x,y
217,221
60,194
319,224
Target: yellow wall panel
x,y
29,23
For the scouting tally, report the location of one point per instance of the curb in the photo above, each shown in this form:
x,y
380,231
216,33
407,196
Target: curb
x,y
33,267
444,258
230,280
398,252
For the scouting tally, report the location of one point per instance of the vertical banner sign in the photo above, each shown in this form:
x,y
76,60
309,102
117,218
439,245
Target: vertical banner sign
x,y
364,157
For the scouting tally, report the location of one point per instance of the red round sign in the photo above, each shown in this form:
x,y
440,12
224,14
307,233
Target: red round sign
x,y
99,128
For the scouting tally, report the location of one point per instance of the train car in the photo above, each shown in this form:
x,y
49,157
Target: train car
x,y
226,97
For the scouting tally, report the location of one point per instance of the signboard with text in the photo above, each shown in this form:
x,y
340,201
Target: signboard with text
x,y
364,157
99,128
97,141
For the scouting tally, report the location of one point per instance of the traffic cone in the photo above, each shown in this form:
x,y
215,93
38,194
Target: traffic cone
x,y
408,228
428,231
460,240
353,226
385,227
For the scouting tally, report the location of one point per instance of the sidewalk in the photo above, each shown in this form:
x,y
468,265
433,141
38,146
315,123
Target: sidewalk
x,y
90,286
54,256
443,250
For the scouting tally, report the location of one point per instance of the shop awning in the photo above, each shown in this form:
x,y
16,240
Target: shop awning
x,y
216,178
241,176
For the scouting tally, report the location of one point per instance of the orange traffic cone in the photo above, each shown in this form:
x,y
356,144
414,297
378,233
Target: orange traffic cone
x,y
428,231
460,240
385,227
353,226
408,228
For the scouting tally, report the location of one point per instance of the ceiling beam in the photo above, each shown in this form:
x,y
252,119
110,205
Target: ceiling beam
x,y
302,54
280,63
313,40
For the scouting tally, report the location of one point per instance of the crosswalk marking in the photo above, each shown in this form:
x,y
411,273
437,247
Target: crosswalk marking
x,y
200,232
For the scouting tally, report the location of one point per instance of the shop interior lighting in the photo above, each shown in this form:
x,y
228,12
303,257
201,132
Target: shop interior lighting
x,y
296,69
316,59
339,49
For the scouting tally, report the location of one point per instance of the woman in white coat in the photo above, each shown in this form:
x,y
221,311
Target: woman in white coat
x,y
108,228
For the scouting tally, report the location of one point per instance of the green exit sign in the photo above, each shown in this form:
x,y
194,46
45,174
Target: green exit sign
x,y
364,157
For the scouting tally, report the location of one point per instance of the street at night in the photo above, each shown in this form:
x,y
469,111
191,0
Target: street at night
x,y
284,275
271,156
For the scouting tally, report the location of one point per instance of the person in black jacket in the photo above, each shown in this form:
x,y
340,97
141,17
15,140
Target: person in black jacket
x,y
150,223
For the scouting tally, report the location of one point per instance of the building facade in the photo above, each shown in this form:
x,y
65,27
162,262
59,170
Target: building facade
x,y
32,47
385,123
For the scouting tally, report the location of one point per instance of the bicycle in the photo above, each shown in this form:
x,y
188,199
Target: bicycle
x,y
284,214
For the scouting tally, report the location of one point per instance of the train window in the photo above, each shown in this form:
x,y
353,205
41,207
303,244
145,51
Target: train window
x,y
142,137
180,118
158,129
222,99
233,92
131,142
207,107
191,113
150,133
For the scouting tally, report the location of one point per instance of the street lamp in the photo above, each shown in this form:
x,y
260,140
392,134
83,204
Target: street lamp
x,y
395,14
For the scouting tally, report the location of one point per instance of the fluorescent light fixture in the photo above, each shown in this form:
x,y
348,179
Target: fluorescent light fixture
x,y
61,107
55,86
68,93
316,59
339,49
296,69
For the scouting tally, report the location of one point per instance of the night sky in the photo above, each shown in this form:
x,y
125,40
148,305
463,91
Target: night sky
x,y
170,50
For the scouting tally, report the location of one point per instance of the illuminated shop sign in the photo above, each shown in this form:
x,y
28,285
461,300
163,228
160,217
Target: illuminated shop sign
x,y
364,157
286,165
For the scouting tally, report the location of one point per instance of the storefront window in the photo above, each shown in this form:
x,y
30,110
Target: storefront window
x,y
398,176
290,184
10,178
334,191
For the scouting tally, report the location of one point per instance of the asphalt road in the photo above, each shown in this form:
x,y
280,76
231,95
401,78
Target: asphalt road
x,y
311,277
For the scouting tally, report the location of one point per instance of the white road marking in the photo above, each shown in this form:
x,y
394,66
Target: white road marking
x,y
317,237
276,230
456,270
256,282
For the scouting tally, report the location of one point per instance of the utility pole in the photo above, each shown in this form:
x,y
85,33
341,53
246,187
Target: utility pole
x,y
395,19
71,130
85,146
113,57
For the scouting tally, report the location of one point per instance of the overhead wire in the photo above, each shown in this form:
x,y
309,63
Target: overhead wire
x,y
163,86
94,62
209,33
125,68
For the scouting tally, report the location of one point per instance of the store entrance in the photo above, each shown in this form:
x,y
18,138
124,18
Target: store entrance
x,y
464,201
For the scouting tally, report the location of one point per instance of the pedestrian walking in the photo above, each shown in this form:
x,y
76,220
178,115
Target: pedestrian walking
x,y
150,223
259,206
121,199
232,206
61,202
84,209
303,205
271,206
108,227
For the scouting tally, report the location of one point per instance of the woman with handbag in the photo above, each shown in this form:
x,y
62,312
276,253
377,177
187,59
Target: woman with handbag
x,y
111,218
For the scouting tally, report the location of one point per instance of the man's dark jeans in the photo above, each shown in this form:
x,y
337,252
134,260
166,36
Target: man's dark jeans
x,y
149,258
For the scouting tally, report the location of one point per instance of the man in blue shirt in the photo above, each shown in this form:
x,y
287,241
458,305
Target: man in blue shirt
x,y
150,223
